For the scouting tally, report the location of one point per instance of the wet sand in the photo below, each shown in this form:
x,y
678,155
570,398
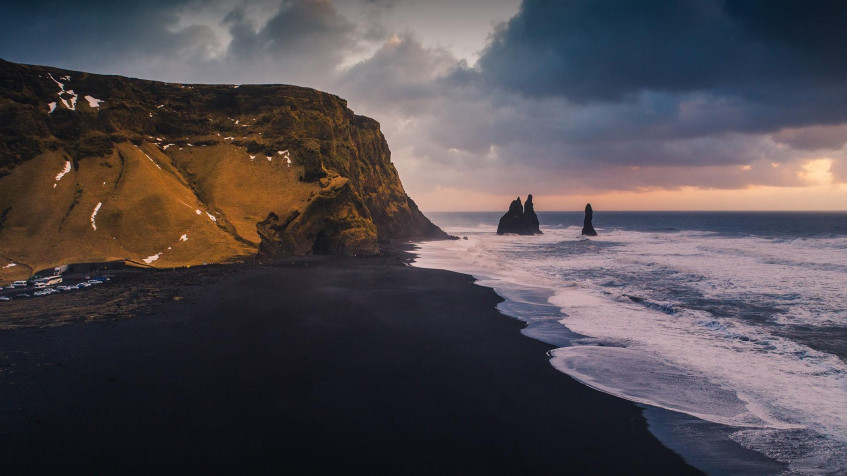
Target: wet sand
x,y
310,366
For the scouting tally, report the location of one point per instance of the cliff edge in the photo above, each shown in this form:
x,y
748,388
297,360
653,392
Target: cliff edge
x,y
96,168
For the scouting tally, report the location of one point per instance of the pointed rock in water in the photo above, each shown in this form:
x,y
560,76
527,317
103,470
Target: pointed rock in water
x,y
516,207
531,217
512,221
587,227
519,220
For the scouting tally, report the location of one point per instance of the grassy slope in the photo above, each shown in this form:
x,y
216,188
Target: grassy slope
x,y
241,189
145,210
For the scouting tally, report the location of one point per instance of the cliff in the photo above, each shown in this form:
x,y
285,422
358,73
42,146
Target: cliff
x,y
96,167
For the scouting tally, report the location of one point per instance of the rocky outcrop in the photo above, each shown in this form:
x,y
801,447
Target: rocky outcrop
x,y
520,219
101,168
530,216
334,222
587,227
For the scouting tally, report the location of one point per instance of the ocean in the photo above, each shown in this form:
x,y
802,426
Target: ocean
x,y
734,318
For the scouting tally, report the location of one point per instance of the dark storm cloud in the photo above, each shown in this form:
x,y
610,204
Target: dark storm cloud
x,y
91,33
589,50
182,40
606,49
756,66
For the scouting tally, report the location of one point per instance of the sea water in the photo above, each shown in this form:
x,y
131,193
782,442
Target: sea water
x,y
739,319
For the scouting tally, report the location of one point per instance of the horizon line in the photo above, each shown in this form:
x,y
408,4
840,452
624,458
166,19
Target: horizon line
x,y
649,211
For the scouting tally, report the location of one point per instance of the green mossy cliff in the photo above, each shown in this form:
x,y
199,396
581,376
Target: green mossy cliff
x,y
270,169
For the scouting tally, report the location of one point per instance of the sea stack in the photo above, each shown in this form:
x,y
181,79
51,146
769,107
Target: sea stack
x,y
587,227
531,217
519,220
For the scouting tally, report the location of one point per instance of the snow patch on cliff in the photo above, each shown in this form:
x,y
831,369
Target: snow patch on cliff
x,y
151,259
64,171
285,155
94,215
148,157
93,102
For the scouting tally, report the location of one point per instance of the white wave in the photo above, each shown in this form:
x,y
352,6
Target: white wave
x,y
783,384
660,383
672,306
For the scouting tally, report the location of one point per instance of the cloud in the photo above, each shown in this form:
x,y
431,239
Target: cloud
x,y
591,50
308,27
93,34
184,40
622,95
706,67
304,40
461,130
567,97
813,137
402,75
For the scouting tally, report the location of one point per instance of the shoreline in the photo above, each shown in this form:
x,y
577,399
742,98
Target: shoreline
x,y
703,444
317,364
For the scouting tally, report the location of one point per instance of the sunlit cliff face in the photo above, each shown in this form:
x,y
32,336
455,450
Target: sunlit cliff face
x,y
706,105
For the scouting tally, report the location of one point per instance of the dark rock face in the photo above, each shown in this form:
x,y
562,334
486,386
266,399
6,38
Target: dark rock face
x,y
587,227
531,217
519,220
326,226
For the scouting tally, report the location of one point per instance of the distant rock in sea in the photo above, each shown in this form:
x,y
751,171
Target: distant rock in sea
x,y
587,227
519,220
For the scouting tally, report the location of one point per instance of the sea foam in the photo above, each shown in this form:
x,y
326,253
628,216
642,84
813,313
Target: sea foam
x,y
712,325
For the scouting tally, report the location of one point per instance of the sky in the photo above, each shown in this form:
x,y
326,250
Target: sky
x,y
636,105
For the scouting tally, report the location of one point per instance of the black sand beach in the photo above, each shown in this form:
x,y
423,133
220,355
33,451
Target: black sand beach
x,y
309,366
